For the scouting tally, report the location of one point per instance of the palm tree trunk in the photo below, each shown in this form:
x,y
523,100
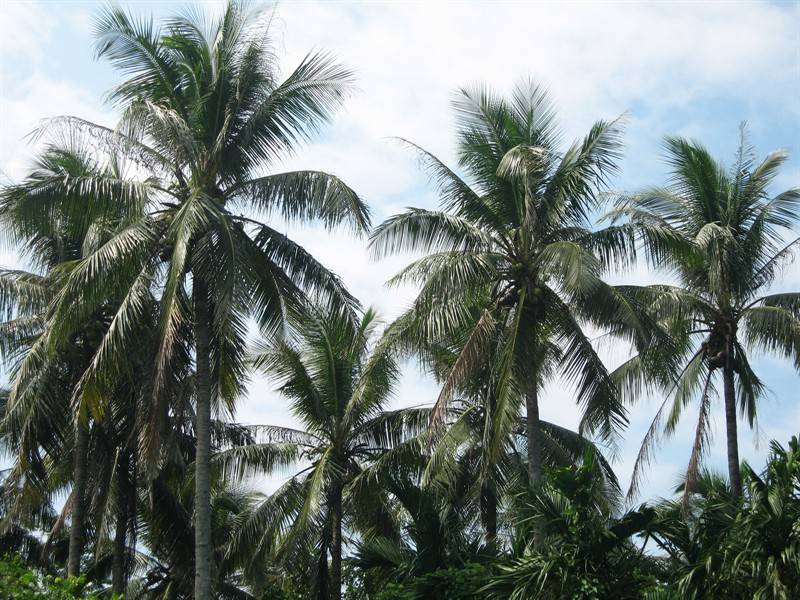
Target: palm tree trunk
x,y
78,499
336,544
533,432
118,563
202,499
730,426
489,516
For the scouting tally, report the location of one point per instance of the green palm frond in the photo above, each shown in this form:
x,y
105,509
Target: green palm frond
x,y
291,112
304,196
773,329
244,461
427,231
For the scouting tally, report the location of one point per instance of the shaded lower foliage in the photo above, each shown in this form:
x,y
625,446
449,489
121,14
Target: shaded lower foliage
x,y
723,545
455,583
571,542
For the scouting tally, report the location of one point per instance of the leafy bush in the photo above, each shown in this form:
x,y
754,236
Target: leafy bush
x,y
18,582
738,547
584,551
458,583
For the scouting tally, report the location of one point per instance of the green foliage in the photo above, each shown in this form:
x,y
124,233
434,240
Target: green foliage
x,y
726,235
18,582
337,380
512,273
572,545
738,547
396,591
363,584
455,583
766,551
152,255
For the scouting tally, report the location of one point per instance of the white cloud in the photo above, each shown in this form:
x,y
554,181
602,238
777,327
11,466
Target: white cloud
x,y
32,100
24,24
598,58
29,90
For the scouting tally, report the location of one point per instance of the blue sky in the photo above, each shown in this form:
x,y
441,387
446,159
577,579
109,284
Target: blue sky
x,y
692,68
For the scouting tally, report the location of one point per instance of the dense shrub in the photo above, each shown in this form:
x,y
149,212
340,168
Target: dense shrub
x,y
461,583
18,582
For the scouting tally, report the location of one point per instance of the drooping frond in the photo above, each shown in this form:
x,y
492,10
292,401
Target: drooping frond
x,y
305,196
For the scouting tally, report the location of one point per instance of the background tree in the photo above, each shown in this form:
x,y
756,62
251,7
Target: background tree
x,y
48,428
585,547
736,545
482,445
166,569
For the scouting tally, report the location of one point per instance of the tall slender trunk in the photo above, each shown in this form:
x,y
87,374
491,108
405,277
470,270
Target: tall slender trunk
x,y
488,500
202,497
533,433
730,423
336,544
118,562
78,498
489,516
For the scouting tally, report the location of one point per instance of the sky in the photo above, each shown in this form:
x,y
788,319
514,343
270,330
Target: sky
x,y
696,69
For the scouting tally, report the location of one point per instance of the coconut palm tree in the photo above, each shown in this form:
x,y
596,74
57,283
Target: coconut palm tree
x,y
205,115
767,542
436,505
725,235
49,435
414,528
165,511
20,534
337,388
692,533
512,256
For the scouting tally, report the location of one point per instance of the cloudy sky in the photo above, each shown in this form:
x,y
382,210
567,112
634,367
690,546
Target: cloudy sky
x,y
696,69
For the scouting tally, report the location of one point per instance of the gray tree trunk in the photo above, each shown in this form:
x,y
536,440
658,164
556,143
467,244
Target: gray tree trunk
x,y
336,545
534,435
118,562
202,499
78,499
489,516
731,427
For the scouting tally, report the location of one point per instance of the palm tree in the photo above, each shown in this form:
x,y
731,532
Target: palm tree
x,y
165,510
511,256
723,234
767,542
167,569
43,428
337,388
20,534
204,113
415,528
692,534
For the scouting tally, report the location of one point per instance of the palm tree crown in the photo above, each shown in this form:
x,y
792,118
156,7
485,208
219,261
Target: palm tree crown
x,y
47,426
